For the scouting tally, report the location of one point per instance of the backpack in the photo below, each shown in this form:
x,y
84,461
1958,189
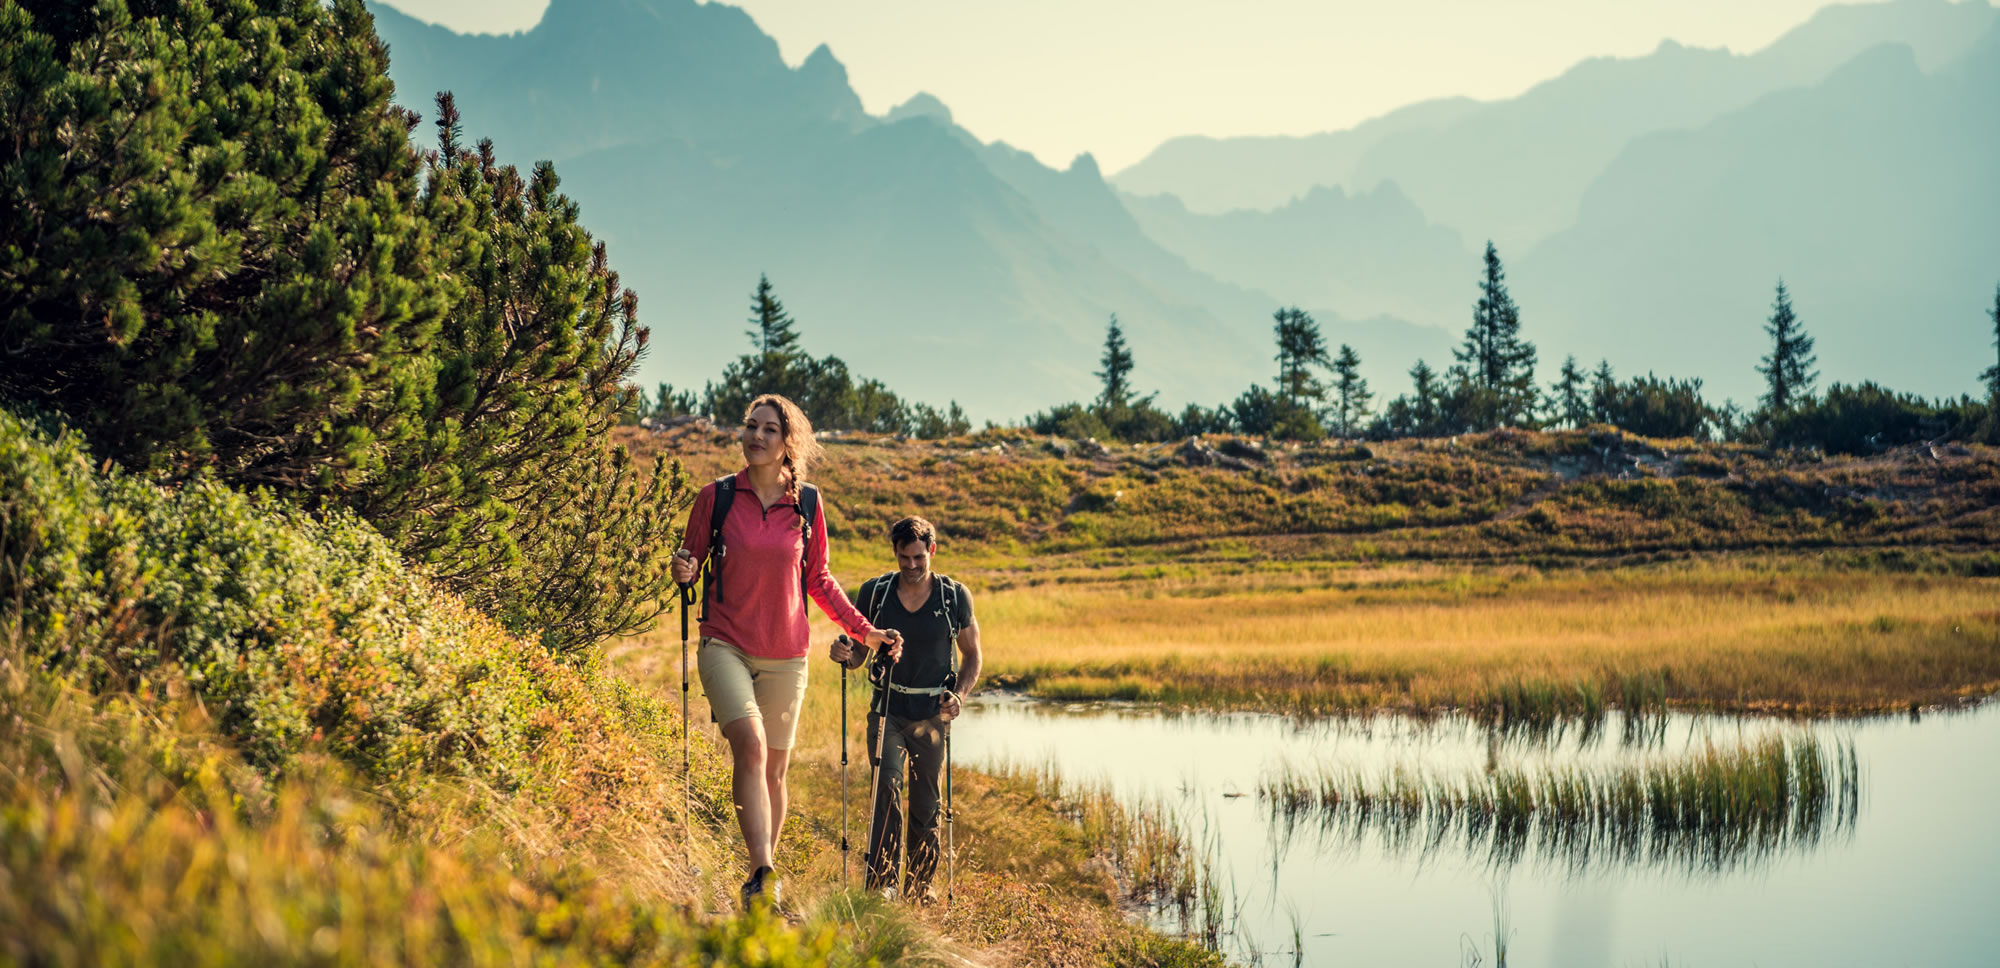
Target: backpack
x,y
725,495
947,591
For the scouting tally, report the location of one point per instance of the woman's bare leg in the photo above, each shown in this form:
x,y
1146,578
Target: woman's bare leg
x,y
775,762
749,788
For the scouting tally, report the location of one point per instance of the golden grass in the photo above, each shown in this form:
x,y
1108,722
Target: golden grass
x,y
1034,885
1724,636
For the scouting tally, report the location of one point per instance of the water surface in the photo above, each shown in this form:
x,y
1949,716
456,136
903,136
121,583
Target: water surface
x,y
1912,877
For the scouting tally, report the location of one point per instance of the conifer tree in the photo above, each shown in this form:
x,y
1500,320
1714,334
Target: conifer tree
x,y
1788,372
1424,383
1568,403
278,289
1992,374
773,333
1300,349
1351,396
198,277
1117,363
1501,363
1603,393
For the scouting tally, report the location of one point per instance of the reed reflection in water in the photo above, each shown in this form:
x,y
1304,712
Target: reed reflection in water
x,y
1706,811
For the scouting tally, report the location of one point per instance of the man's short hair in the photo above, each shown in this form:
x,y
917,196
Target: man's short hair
x,y
912,529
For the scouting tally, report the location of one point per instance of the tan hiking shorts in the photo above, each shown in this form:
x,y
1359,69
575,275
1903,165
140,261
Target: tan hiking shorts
x,y
740,686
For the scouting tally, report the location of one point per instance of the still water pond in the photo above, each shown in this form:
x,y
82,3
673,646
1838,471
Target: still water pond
x,y
1907,872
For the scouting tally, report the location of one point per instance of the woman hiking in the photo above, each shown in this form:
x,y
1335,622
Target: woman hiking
x,y
759,532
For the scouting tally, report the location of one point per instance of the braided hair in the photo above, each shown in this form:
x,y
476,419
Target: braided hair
x,y
801,448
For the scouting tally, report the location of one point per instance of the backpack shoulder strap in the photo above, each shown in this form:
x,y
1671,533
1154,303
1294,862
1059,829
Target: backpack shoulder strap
x,y
884,586
808,519
718,511
809,505
948,598
725,495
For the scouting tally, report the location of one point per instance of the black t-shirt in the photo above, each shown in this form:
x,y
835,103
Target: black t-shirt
x,y
927,643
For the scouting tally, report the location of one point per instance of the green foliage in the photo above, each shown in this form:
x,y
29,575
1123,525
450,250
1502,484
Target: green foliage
x,y
1117,363
773,332
1499,363
1653,407
511,491
1867,418
1073,420
1118,413
1351,395
1991,377
1136,421
664,404
1416,414
219,260
212,254
1259,412
928,422
1196,420
1568,403
300,630
1788,372
831,396
1301,349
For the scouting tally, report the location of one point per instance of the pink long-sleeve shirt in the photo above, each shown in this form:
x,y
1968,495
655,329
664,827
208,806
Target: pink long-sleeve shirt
x,y
759,610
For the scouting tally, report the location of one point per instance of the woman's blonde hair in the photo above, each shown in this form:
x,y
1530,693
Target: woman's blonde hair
x,y
802,449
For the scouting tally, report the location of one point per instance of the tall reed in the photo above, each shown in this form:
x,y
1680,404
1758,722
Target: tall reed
x,y
1711,810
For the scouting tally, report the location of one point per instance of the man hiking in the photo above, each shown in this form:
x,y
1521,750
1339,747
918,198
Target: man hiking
x,y
922,695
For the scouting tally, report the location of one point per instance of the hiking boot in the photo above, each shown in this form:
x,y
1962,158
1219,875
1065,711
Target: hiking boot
x,y
763,883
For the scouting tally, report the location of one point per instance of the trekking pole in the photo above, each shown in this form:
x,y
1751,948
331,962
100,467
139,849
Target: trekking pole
x,y
844,849
950,829
687,790
950,832
878,768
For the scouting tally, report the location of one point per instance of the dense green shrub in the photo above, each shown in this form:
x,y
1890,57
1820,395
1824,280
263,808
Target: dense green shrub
x,y
220,254
299,630
1866,418
1653,407
210,248
1261,413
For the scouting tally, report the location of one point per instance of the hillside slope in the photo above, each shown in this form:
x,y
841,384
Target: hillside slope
x,y
1008,496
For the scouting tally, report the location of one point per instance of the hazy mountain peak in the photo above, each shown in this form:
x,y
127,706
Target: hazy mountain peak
x,y
822,63
1322,194
920,105
1875,65
1085,165
1937,31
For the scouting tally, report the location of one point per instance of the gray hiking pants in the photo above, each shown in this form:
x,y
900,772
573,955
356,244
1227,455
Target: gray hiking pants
x,y
915,745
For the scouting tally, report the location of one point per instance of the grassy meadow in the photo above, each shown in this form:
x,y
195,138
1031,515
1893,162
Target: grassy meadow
x,y
1510,574
1508,641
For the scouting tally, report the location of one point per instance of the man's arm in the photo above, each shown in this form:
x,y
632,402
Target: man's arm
x,y
856,656
968,670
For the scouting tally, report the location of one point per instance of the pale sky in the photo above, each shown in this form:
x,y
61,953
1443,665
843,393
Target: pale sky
x,y
1117,77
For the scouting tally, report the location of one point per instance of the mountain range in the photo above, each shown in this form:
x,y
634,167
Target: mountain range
x,y
1645,206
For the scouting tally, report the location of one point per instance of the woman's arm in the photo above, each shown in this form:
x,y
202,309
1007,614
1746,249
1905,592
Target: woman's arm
x,y
694,539
825,589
